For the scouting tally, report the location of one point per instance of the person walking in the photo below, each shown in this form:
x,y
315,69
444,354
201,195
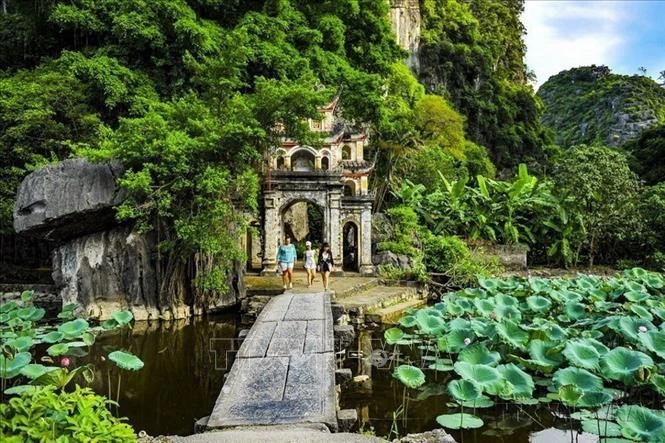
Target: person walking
x,y
326,264
310,264
286,258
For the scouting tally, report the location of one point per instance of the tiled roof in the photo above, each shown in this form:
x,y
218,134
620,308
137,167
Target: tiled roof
x,y
356,164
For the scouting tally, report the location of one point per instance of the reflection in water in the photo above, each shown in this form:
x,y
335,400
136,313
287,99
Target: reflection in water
x,y
185,362
376,401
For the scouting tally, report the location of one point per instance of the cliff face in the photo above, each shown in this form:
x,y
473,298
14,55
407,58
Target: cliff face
x,y
592,105
405,20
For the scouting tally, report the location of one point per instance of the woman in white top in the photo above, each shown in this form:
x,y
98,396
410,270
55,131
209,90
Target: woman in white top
x,y
310,263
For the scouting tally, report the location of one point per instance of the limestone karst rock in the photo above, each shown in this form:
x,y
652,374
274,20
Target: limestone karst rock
x,y
67,199
405,21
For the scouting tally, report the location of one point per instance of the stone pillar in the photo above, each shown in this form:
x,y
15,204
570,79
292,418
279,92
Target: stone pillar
x,y
317,163
255,249
335,234
287,162
272,232
363,185
365,239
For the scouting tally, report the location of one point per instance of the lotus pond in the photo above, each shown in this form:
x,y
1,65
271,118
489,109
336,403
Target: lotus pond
x,y
517,357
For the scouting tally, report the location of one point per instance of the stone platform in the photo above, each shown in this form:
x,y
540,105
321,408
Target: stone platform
x,y
284,372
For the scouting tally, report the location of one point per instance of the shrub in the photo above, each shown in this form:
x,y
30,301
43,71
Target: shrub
x,y
451,256
43,414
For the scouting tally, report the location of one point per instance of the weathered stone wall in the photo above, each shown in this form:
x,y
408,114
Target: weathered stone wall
x,y
405,20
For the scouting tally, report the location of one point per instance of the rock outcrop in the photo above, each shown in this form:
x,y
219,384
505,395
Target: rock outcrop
x,y
296,221
405,20
109,271
67,199
590,104
99,264
387,258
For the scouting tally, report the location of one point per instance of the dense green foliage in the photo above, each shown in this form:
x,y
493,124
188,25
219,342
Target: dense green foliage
x,y
648,155
50,415
595,345
591,105
188,96
472,53
604,192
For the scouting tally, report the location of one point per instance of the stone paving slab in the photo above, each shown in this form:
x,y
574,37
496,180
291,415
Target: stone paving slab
x,y
284,372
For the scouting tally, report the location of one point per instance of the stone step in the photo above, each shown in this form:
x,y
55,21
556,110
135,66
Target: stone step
x,y
378,297
363,284
392,314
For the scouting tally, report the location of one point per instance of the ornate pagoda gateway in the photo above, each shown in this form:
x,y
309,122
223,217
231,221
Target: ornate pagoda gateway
x,y
333,177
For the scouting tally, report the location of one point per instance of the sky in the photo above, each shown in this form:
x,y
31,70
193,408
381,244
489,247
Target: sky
x,y
622,34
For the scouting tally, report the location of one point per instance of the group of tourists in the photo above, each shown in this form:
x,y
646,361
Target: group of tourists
x,y
286,259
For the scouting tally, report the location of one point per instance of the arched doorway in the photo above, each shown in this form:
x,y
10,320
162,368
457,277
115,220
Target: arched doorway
x,y
350,247
303,221
302,160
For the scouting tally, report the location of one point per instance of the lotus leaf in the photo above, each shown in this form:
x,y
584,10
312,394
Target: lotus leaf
x,y
579,377
429,324
408,321
459,421
57,349
491,285
654,341
592,399
641,312
603,428
574,310
486,376
393,335
538,303
479,354
20,344
31,313
74,328
458,323
545,354
658,382
109,324
125,360
508,312
506,300
636,296
581,353
464,390
441,366
630,327
123,317
10,367
570,395
53,337
485,306
34,370
456,340
522,382
639,423
623,364
512,334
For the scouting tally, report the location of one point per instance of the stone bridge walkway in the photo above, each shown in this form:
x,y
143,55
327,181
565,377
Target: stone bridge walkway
x,y
284,372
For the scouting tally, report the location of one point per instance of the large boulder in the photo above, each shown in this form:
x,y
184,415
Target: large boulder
x,y
68,199
109,271
296,221
388,258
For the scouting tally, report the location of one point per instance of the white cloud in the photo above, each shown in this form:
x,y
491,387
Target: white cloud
x,y
565,34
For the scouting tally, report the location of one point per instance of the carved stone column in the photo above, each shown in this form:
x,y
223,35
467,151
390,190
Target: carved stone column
x,y
335,205
365,237
271,231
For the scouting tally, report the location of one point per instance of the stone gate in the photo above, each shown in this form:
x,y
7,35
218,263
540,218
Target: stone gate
x,y
334,178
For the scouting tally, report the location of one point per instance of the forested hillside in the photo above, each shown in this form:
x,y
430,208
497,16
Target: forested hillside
x,y
473,53
593,105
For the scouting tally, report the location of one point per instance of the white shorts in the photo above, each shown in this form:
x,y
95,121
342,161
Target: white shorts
x,y
284,266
